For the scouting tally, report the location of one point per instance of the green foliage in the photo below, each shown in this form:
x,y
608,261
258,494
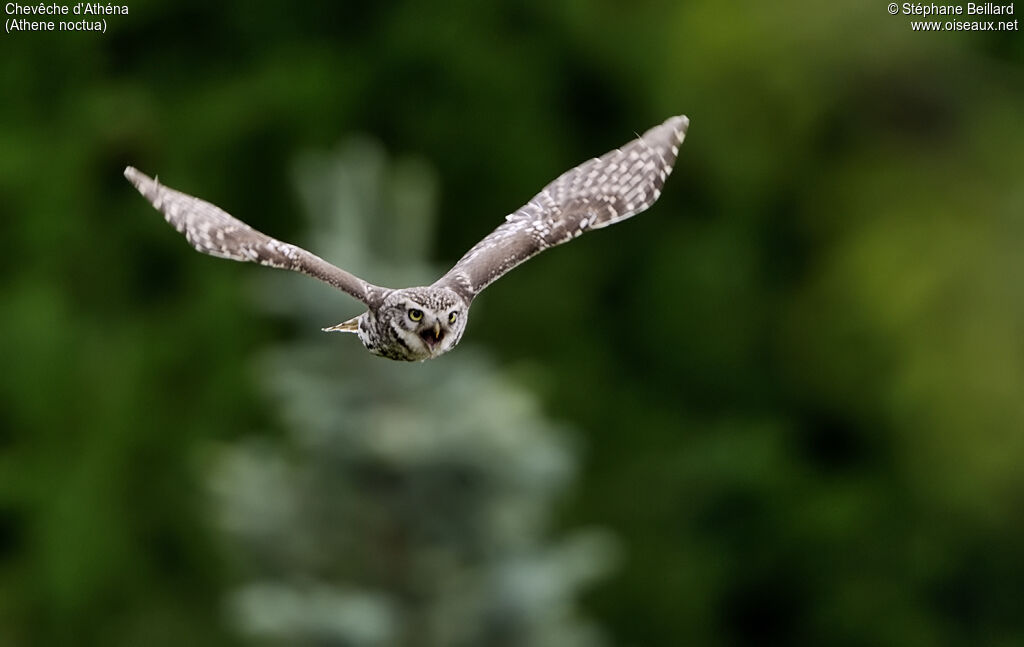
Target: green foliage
x,y
798,375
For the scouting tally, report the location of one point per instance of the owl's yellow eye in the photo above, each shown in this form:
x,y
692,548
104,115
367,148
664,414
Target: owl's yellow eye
x,y
415,314
452,317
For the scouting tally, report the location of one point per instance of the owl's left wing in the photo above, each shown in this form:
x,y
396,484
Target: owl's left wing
x,y
595,194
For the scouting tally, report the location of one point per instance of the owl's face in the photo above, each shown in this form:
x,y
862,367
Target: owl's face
x,y
414,324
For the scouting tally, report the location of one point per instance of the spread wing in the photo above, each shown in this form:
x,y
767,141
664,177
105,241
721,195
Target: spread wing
x,y
595,194
215,232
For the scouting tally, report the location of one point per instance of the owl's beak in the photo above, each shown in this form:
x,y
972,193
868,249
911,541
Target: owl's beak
x,y
432,336
352,325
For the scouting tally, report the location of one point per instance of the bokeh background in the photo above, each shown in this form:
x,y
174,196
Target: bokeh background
x,y
785,406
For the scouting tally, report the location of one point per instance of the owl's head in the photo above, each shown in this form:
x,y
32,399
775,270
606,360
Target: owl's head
x,y
411,324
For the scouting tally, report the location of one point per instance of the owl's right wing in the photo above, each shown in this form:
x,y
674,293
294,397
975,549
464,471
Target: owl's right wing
x,y
212,231
600,192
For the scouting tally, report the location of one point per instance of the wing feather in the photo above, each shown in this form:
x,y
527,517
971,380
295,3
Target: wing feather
x,y
213,231
600,192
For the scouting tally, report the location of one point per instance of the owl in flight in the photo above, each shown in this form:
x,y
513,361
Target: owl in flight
x,y
415,324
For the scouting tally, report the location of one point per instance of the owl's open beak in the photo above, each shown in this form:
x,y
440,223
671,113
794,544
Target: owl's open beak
x,y
352,325
432,336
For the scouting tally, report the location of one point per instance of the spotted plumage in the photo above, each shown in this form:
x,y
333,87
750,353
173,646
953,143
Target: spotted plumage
x,y
425,322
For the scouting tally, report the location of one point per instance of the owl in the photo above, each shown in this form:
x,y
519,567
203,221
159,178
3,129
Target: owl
x,y
420,323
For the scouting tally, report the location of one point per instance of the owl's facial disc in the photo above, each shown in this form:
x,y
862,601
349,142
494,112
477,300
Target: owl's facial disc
x,y
415,324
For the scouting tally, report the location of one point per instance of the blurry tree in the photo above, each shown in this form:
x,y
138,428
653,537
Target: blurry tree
x,y
409,505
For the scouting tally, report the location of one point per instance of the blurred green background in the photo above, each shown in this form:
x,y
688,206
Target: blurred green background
x,y
793,391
